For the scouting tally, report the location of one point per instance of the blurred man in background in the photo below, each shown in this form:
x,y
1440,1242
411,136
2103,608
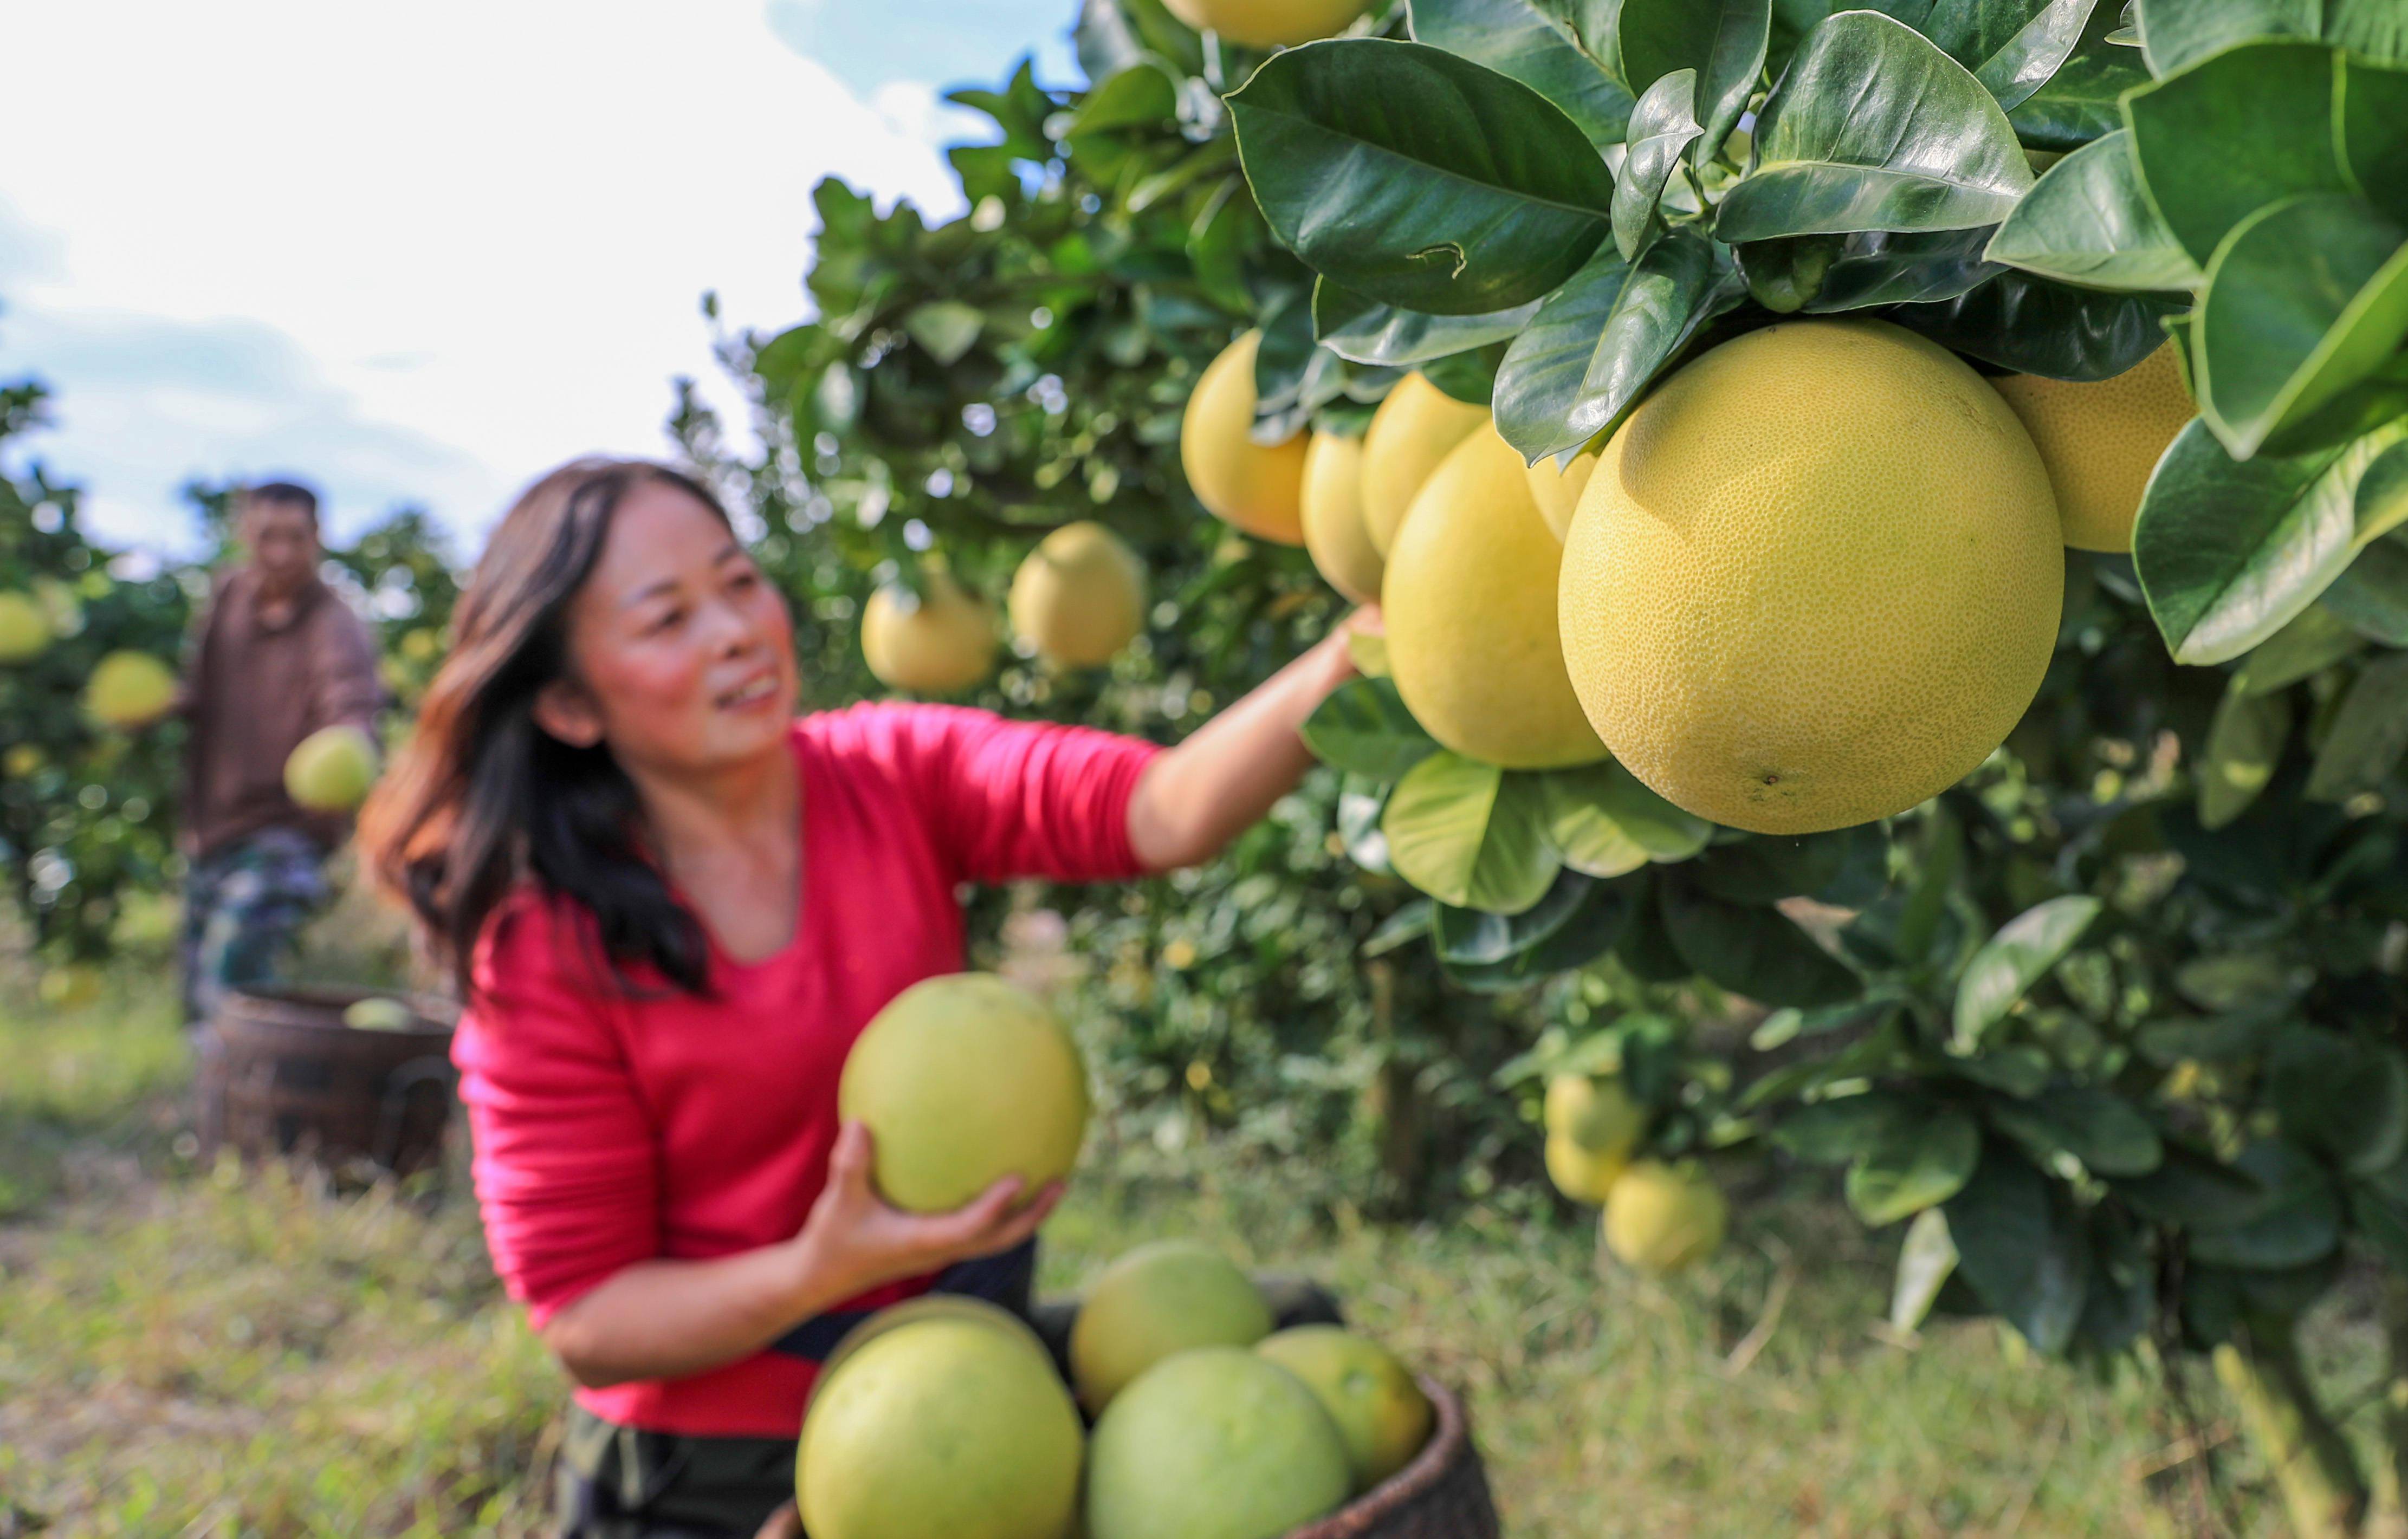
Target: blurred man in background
x,y
275,656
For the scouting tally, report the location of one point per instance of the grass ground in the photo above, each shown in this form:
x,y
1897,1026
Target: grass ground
x,y
190,1350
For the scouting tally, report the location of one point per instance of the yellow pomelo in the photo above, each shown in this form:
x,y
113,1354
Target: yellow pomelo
x,y
940,642
1157,1300
1254,486
24,628
128,689
1594,1112
2100,440
378,1013
1660,1217
1080,596
1213,1443
1584,1174
1341,547
331,769
1269,23
942,1426
1814,579
1417,426
1469,600
70,986
1558,492
1380,1413
963,1080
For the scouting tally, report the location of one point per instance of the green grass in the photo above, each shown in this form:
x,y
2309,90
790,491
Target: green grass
x,y
210,1351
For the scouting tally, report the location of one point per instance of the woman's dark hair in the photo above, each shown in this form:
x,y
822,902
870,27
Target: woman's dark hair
x,y
483,798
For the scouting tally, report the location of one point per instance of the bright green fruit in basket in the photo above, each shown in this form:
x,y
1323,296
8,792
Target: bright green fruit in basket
x,y
332,769
946,1427
1213,1443
1380,1413
1154,1302
24,628
377,1013
129,689
1664,1218
963,1080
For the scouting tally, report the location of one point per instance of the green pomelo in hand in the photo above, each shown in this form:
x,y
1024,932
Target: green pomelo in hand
x,y
1213,1443
963,1080
332,769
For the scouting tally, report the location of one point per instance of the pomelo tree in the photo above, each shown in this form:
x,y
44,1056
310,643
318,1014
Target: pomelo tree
x,y
2109,1028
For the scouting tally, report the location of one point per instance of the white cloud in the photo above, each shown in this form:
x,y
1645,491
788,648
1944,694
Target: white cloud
x,y
458,240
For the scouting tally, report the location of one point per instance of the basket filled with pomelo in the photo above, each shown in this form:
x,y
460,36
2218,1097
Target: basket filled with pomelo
x,y
1175,1409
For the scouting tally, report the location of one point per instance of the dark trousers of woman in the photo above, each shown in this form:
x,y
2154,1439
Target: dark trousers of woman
x,y
618,1482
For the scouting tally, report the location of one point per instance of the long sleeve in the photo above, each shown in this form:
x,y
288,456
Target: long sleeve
x,y
348,689
566,1159
1012,798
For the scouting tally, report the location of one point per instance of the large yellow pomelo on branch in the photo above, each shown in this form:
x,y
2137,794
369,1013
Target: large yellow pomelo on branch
x,y
2101,439
331,769
1814,580
939,641
1269,23
1341,547
1417,426
1662,1218
24,628
1469,600
1557,492
1254,486
1080,596
1584,1174
129,689
963,1080
1594,1112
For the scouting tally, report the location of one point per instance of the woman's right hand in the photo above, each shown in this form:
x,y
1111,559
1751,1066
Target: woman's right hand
x,y
853,1240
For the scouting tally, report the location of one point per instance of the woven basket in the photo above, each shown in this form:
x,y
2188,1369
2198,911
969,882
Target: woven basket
x,y
1443,1494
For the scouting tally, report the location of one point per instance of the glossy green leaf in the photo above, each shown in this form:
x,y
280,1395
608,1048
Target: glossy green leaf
x,y
2342,1095
1926,1261
1362,803
1769,867
2297,1221
1598,341
2095,1125
2243,744
1661,128
1839,1131
2376,28
1757,952
2234,132
1364,330
1469,834
1417,177
1722,41
1873,128
2373,595
1592,918
2013,48
945,328
2304,299
1364,728
2368,734
2087,220
2015,959
2189,1188
2022,1248
2178,32
1917,1163
1823,275
2083,99
2310,644
2229,553
1536,42
1468,938
2375,130
2037,325
1603,820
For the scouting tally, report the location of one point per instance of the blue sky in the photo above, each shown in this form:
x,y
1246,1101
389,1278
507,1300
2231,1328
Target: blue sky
x,y
436,248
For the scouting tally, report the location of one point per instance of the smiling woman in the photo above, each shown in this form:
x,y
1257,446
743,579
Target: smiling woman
x,y
672,907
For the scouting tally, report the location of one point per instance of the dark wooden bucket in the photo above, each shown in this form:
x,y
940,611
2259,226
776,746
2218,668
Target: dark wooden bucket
x,y
1443,1494
281,1075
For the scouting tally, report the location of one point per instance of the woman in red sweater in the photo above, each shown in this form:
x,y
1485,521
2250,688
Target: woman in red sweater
x,y
671,907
